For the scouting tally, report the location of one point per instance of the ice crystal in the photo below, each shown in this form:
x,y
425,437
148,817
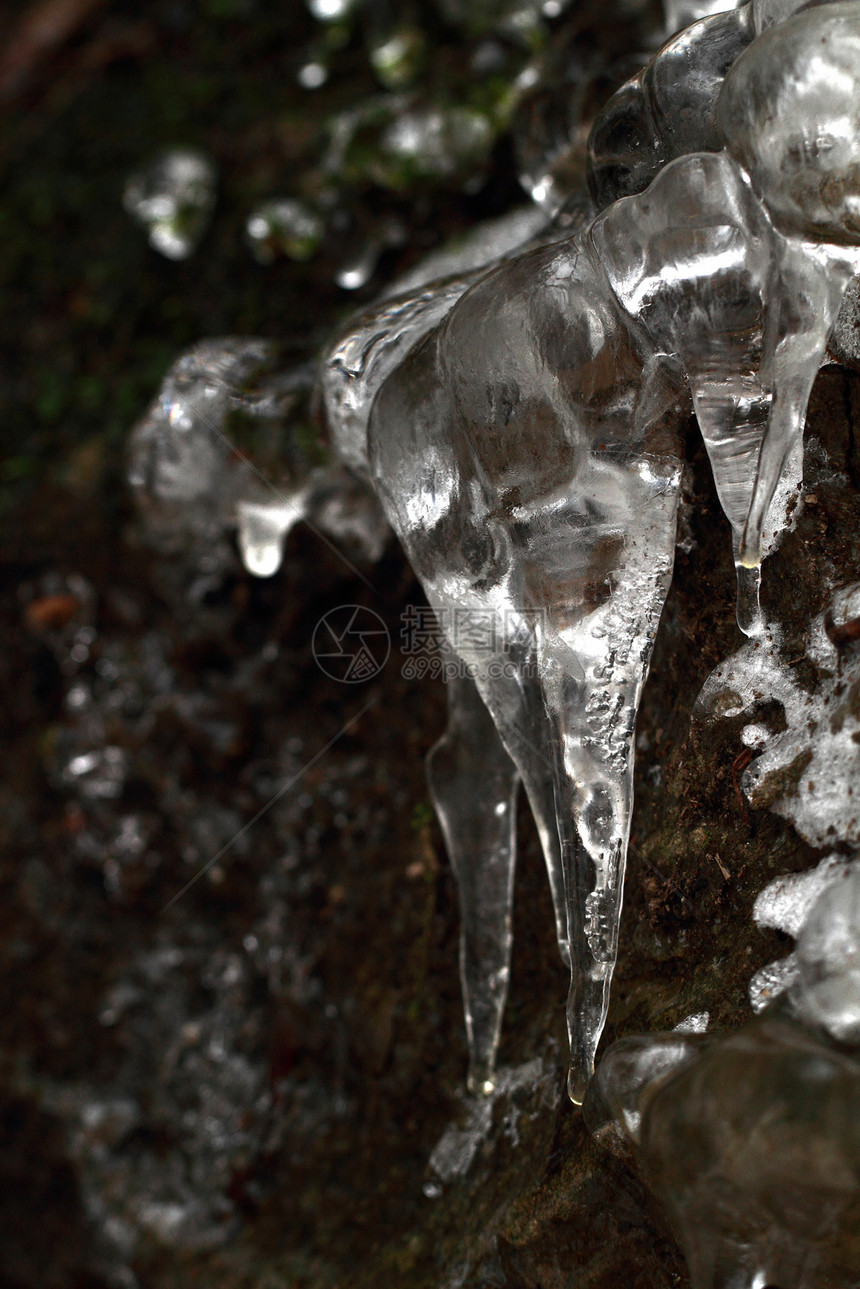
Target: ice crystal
x,y
520,414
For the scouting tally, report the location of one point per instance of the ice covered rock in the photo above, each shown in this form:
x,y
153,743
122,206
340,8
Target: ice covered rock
x,y
525,440
751,1139
806,771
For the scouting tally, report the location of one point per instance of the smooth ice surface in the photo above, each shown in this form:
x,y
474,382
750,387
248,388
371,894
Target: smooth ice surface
x,y
696,95
474,785
625,1079
174,198
526,510
751,1140
752,1143
369,349
481,247
555,125
374,343
666,110
798,76
522,428
669,109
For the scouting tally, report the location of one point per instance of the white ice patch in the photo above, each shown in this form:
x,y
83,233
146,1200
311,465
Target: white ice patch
x,y
809,773
785,903
771,981
697,1023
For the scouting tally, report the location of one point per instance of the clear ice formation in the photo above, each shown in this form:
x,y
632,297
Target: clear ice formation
x,y
228,443
522,427
752,1140
555,125
173,198
669,109
672,108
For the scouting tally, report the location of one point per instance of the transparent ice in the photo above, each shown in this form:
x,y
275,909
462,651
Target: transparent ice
x,y
669,109
675,107
228,444
555,131
763,1190
523,431
174,198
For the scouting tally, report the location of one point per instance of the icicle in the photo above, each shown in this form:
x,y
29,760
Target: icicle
x,y
522,429
263,529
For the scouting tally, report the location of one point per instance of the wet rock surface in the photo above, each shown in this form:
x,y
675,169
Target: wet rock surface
x,y
245,1082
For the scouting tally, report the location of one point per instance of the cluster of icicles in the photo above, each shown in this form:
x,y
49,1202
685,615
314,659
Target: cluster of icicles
x,y
518,409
